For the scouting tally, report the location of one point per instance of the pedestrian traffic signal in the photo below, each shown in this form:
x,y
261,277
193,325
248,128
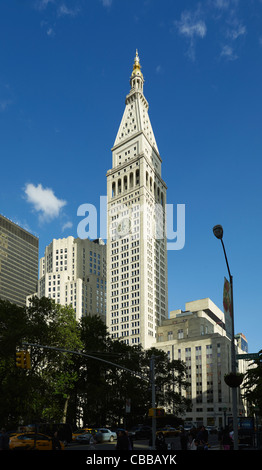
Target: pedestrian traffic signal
x,y
23,360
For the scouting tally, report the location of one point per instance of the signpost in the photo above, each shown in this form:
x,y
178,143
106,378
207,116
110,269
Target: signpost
x,y
248,356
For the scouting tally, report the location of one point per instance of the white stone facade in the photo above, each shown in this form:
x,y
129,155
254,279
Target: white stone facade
x,y
136,240
73,272
197,336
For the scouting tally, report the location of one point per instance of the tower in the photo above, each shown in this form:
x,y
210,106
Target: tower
x,y
136,239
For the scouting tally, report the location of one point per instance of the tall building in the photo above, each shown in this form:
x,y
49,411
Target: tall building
x,y
73,272
18,262
137,301
197,336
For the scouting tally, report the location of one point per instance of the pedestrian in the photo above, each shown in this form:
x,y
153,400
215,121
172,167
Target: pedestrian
x,y
122,441
184,440
56,445
160,442
194,444
220,434
202,437
226,439
130,441
4,440
93,441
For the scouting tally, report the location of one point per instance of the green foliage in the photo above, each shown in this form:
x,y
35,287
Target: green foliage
x,y
253,386
93,386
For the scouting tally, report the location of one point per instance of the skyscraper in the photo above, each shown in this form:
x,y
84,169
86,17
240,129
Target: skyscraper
x,y
18,262
136,240
73,272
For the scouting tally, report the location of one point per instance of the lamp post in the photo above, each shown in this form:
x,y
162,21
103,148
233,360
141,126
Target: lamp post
x,y
218,232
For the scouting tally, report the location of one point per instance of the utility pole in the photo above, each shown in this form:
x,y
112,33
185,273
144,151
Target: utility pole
x,y
152,370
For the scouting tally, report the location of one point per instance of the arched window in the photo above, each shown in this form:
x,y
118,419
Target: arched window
x,y
119,184
131,180
137,176
125,183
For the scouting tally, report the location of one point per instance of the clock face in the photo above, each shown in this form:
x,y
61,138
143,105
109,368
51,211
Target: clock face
x,y
123,227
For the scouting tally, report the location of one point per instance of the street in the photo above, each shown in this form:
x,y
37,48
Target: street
x,y
143,444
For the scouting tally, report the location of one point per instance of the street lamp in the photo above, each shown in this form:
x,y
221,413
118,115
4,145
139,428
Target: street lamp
x,y
218,232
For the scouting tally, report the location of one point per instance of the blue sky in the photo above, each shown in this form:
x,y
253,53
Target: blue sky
x,y
65,69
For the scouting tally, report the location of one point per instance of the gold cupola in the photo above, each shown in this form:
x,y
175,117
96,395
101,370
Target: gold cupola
x,y
137,79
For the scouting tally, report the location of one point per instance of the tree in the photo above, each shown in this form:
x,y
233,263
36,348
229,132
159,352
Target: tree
x,y
55,326
253,385
42,392
103,388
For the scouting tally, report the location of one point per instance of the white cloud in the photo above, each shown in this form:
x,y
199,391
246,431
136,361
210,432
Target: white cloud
x,y
44,201
192,27
67,225
4,104
221,4
42,4
159,69
50,32
107,3
63,10
228,53
236,32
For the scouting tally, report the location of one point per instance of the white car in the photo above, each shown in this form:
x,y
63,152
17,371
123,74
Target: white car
x,y
83,438
107,435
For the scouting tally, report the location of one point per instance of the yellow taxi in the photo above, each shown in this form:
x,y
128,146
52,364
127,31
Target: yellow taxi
x,y
31,441
78,432
169,431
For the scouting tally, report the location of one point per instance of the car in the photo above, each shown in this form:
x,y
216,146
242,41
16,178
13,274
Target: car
x,y
78,432
107,435
83,438
169,431
140,432
31,441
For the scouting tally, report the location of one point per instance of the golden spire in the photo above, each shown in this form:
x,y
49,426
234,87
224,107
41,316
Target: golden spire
x,y
137,66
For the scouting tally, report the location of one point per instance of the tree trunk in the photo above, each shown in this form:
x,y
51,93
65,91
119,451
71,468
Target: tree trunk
x,y
65,410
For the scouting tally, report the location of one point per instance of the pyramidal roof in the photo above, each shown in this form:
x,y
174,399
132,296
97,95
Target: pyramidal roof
x,y
135,118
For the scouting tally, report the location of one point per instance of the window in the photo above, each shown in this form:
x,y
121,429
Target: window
x,y
180,334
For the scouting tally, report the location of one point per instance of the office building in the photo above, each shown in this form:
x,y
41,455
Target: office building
x,y
137,301
197,336
73,272
18,262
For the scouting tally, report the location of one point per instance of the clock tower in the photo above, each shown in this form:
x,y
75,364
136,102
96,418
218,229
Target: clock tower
x,y
137,300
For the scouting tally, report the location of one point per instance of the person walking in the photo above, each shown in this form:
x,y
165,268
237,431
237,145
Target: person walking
x,y
122,441
4,440
226,439
56,445
184,440
160,442
202,437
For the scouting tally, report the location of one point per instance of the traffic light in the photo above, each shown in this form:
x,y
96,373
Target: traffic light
x,y
160,412
156,412
20,359
23,360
